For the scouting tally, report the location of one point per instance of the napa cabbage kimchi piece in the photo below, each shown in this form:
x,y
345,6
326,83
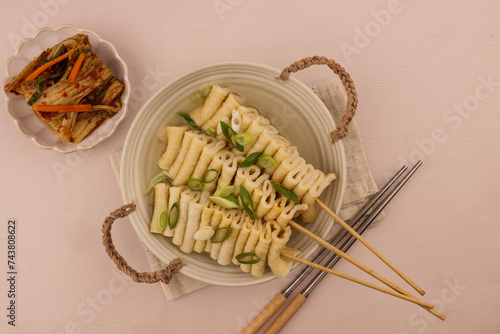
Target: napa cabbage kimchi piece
x,y
69,88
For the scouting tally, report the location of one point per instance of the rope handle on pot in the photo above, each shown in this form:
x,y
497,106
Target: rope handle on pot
x,y
164,275
352,96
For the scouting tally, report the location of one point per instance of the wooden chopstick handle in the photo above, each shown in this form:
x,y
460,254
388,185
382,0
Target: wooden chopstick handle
x,y
263,317
287,314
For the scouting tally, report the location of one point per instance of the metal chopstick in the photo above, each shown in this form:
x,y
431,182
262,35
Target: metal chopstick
x,y
334,259
299,300
336,240
281,298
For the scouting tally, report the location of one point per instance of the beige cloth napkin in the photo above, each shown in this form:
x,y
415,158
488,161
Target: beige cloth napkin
x,y
360,183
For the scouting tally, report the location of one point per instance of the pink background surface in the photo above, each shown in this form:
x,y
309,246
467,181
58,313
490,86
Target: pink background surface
x,y
414,69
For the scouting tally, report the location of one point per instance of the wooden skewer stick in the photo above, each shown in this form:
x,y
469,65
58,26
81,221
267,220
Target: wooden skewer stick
x,y
348,258
370,247
356,280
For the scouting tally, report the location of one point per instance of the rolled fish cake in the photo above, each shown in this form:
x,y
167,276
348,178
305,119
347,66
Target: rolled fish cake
x,y
218,161
173,136
207,155
258,125
174,197
206,215
228,171
227,219
192,158
256,230
278,206
280,266
232,101
286,152
187,196
305,178
266,136
247,115
243,236
260,191
193,221
296,174
181,154
276,142
284,210
262,249
215,221
161,205
290,211
227,248
266,201
212,103
243,174
251,184
294,161
313,193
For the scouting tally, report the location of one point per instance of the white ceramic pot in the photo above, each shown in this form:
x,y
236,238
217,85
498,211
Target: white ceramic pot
x,y
293,108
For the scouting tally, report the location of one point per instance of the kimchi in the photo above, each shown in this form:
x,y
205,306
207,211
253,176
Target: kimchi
x,y
69,88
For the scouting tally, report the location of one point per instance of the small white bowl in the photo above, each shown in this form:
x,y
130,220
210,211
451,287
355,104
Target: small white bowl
x,y
27,122
293,108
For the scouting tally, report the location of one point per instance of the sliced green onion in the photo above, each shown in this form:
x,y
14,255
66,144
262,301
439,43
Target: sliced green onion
x,y
158,178
205,90
210,130
59,52
250,160
224,191
100,90
171,224
162,220
285,192
217,238
232,199
223,202
246,202
38,92
189,121
241,256
204,233
266,161
243,138
197,98
204,177
225,131
195,184
36,95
